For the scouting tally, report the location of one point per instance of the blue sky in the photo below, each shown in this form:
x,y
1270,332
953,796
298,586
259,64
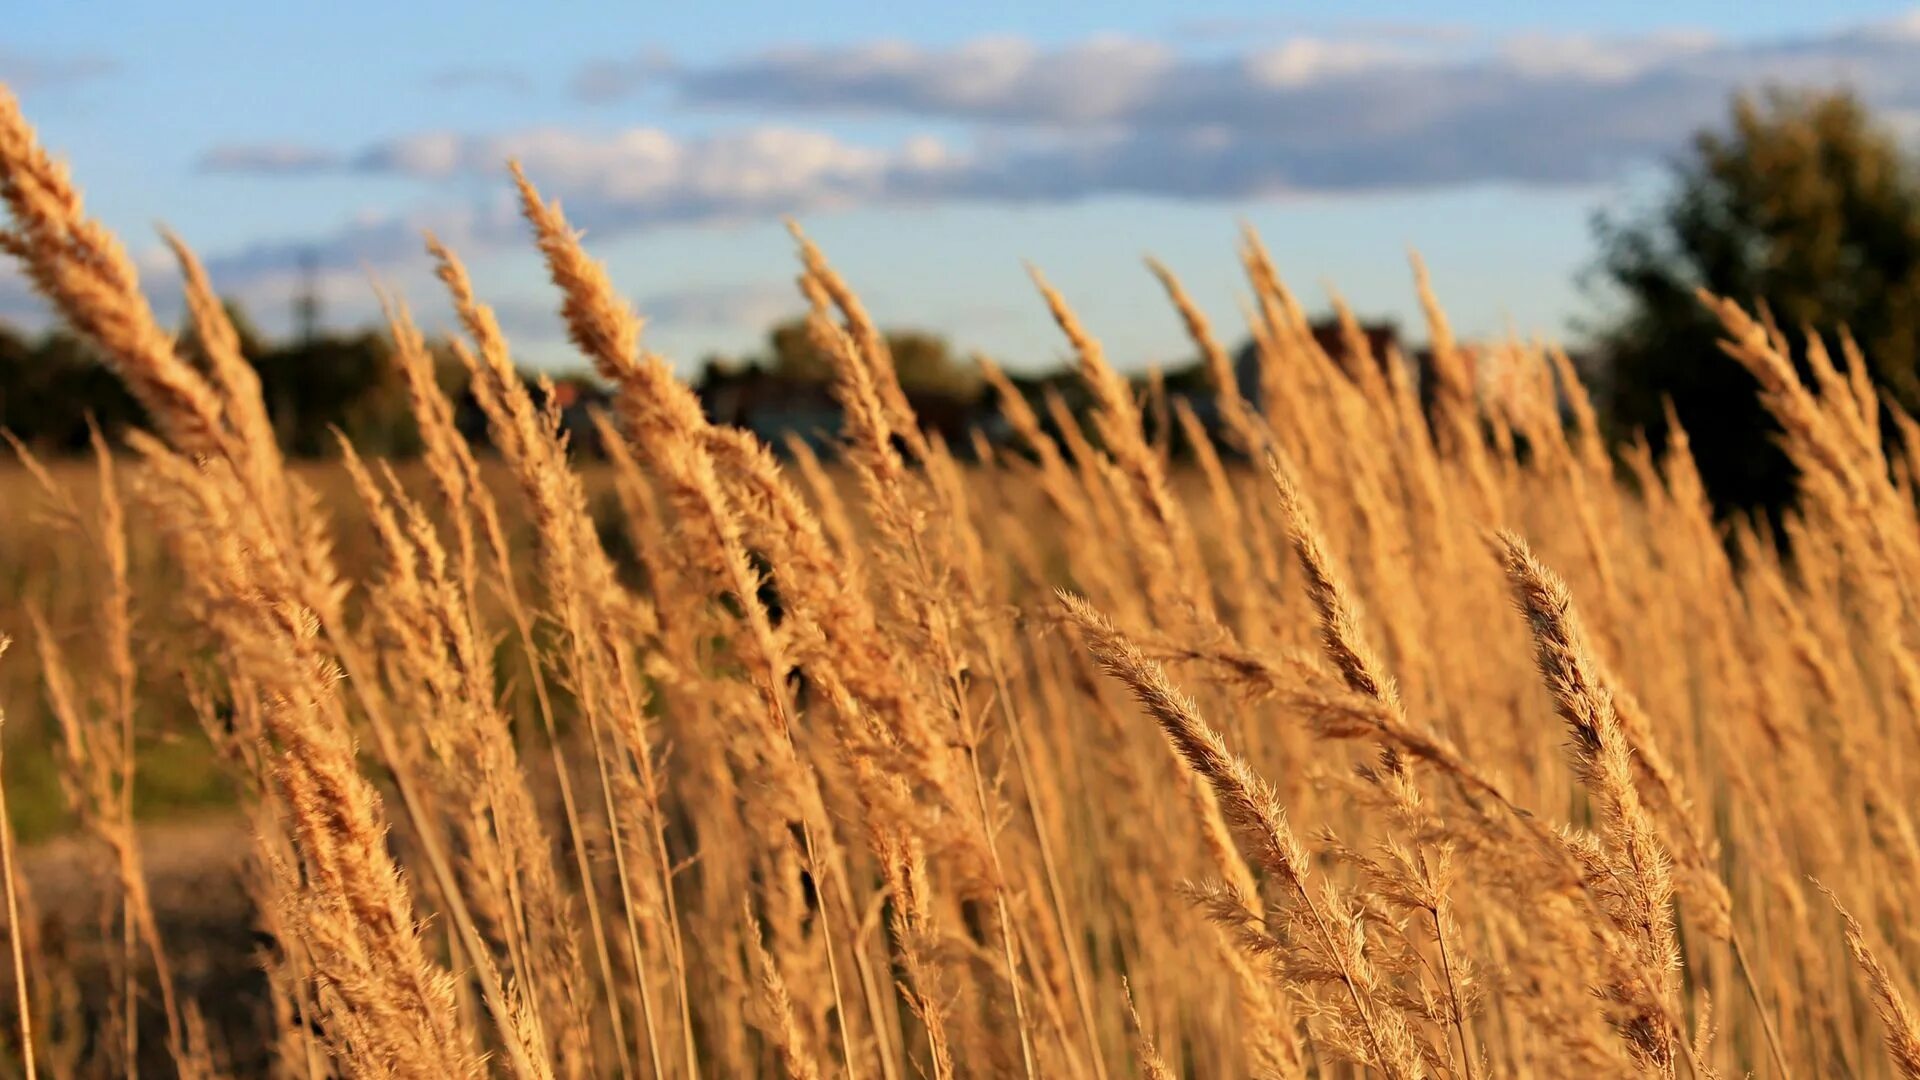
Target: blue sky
x,y
930,148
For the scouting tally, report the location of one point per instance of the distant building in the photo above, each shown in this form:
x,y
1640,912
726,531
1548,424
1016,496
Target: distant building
x,y
776,407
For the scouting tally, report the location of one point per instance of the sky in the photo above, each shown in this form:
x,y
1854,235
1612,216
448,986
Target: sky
x,y
931,149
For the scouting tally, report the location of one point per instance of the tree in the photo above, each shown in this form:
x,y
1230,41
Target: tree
x,y
323,381
924,361
1804,205
50,387
794,354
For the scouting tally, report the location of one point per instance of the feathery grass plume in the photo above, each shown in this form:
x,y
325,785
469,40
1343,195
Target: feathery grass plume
x,y
1371,1030
450,460
1220,371
83,270
578,568
1815,432
1455,396
387,1003
1273,1047
1055,476
235,730
1902,1029
1420,872
928,603
593,611
1151,1064
1231,521
1626,862
1844,477
665,420
830,508
1454,392
1827,439
1340,633
870,344
254,443
448,457
826,609
442,674
97,733
844,698
1159,415
1118,421
778,1003
1591,444
1094,488
1357,353
1269,321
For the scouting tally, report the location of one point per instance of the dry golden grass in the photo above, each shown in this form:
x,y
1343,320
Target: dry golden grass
x,y
1441,746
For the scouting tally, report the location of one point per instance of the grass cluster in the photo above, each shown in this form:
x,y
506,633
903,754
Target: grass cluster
x,y
1436,744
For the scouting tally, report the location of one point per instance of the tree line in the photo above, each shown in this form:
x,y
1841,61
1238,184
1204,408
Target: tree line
x,y
53,385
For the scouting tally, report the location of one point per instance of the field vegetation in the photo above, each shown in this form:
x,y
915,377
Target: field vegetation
x,y
1406,731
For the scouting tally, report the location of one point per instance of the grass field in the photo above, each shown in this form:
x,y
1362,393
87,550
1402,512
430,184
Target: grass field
x,y
1403,731
44,570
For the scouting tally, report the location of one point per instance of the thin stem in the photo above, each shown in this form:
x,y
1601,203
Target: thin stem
x,y
437,863
1346,975
1000,905
783,716
677,950
14,940
1453,995
826,942
1055,894
876,1012
1759,1003
129,993
626,893
524,626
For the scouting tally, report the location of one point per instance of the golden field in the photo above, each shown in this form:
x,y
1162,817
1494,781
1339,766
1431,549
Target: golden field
x,y
1402,731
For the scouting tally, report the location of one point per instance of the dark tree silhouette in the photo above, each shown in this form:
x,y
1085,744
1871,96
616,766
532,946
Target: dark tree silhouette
x,y
1804,205
924,360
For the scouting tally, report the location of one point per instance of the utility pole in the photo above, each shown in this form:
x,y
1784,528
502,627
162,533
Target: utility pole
x,y
306,302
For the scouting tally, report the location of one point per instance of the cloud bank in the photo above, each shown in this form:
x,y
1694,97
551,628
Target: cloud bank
x,y
1018,122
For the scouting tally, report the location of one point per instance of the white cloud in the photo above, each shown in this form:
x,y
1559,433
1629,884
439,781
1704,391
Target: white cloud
x,y
1329,113
1602,60
24,72
1003,77
1323,94
1305,60
267,158
641,176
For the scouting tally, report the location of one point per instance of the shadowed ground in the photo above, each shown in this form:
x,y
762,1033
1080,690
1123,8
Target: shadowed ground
x,y
196,872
